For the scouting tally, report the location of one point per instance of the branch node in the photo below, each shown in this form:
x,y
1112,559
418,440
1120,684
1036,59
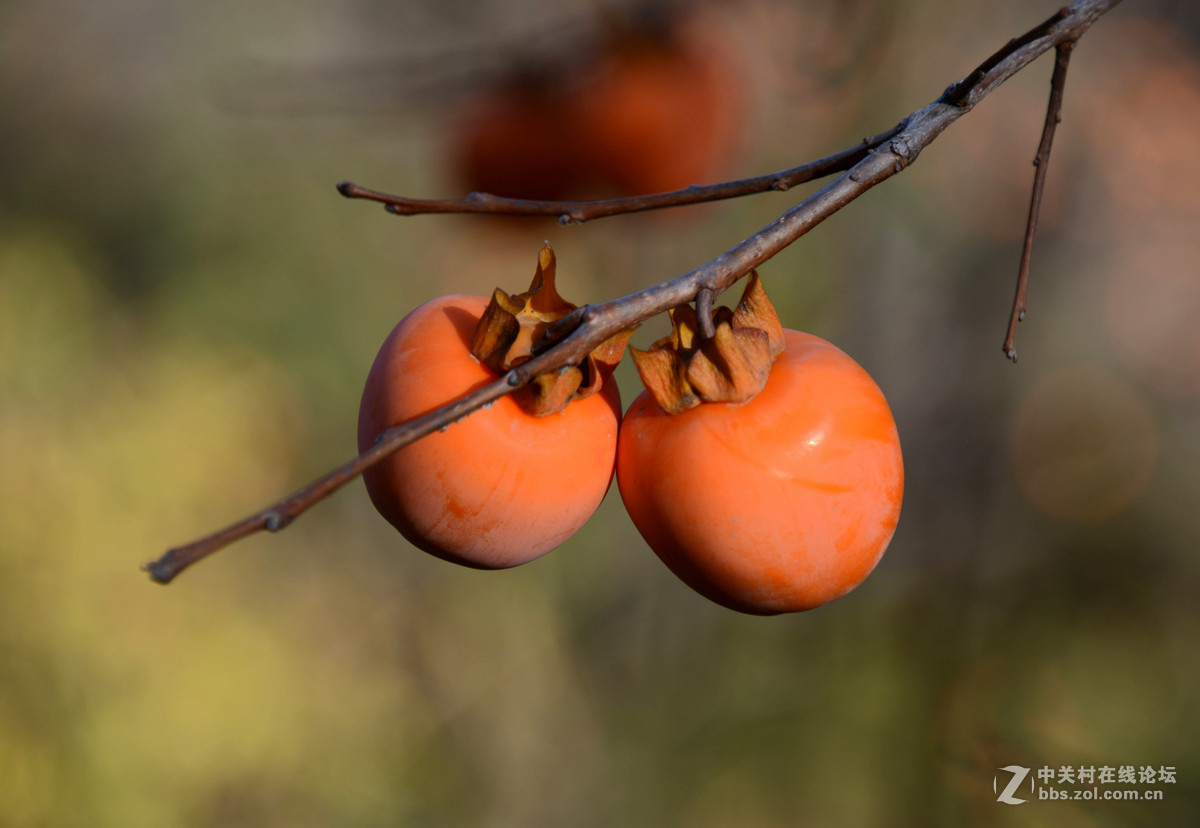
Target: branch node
x,y
903,152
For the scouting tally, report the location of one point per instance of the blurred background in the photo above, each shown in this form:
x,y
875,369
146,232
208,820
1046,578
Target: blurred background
x,y
188,310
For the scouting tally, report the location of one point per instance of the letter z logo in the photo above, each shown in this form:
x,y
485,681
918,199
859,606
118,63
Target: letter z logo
x,y
1018,776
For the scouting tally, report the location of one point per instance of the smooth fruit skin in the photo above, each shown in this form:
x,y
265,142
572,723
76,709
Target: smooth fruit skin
x,y
500,487
778,505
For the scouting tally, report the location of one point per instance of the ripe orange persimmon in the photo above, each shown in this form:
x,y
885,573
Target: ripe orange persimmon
x,y
779,504
499,488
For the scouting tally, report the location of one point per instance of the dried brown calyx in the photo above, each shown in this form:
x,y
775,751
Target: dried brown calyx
x,y
685,369
511,328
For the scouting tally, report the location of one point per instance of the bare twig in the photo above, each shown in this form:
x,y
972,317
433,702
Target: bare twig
x,y
577,212
958,93
579,333
1041,161
279,515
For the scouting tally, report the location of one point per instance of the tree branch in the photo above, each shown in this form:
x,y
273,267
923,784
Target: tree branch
x,y
591,325
1041,161
577,212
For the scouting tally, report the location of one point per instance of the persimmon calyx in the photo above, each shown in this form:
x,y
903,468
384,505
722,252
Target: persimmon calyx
x,y
511,327
683,370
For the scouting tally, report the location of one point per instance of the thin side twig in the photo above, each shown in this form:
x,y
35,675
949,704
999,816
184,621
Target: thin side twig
x,y
958,93
577,212
593,324
1058,81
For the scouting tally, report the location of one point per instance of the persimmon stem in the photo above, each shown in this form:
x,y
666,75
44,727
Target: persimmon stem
x,y
704,318
1041,161
583,330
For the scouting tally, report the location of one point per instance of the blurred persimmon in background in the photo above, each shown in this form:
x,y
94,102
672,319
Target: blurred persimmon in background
x,y
657,104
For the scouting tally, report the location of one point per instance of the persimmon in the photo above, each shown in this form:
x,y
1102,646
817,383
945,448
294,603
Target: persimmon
x,y
658,105
513,140
503,486
660,111
777,504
